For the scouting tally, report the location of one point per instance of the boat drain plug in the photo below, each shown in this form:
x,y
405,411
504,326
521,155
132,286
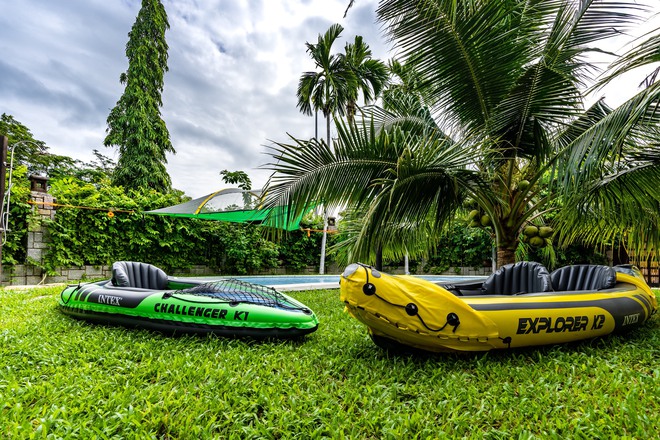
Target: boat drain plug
x,y
411,309
369,289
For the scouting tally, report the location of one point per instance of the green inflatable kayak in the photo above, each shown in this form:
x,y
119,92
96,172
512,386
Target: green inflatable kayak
x,y
141,295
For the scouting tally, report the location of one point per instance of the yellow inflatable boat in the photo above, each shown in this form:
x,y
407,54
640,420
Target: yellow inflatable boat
x,y
519,305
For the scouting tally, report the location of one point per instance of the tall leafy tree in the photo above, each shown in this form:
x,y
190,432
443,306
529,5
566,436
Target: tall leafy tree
x,y
135,124
498,124
28,150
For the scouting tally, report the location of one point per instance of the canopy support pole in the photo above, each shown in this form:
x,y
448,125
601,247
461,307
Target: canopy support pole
x,y
323,241
4,141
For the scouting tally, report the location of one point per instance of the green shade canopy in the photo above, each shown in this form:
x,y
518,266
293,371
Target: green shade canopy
x,y
233,205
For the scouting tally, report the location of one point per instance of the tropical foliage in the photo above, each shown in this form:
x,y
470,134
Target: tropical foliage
x,y
460,247
97,223
135,124
19,218
370,74
327,89
490,112
239,178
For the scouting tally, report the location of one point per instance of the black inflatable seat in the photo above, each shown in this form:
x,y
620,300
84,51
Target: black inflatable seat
x,y
140,275
521,277
583,277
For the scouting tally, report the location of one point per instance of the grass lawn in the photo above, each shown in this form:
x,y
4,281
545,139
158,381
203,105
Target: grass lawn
x,y
62,378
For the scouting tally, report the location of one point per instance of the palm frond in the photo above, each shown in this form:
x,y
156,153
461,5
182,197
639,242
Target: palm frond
x,y
641,55
468,52
547,94
612,139
622,206
308,172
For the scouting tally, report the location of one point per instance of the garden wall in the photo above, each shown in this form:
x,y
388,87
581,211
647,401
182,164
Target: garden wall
x,y
25,274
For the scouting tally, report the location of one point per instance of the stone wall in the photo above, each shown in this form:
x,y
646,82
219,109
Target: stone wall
x,y
29,275
37,240
26,274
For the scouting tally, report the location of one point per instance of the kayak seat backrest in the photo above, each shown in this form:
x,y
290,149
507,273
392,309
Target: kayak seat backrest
x,y
517,278
140,275
583,277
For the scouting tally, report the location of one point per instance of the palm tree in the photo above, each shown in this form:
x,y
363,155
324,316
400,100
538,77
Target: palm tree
x,y
335,87
329,88
499,124
370,74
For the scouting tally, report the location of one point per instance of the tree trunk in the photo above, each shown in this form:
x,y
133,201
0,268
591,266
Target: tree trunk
x,y
505,255
351,108
327,119
379,258
316,125
323,243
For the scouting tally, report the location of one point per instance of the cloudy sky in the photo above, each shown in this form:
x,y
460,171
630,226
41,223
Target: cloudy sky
x,y
230,90
231,86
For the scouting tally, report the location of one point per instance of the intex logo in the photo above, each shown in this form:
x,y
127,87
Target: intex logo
x,y
631,319
110,299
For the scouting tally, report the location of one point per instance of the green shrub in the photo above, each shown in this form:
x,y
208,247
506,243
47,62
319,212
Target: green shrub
x,y
20,215
460,247
302,248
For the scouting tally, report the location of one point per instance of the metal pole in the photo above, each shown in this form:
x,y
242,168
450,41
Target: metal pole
x,y
3,172
323,242
493,263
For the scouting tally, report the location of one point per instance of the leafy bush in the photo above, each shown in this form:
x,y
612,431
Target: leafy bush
x,y
302,248
460,247
20,215
117,231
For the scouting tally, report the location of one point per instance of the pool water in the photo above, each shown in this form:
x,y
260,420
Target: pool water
x,y
311,280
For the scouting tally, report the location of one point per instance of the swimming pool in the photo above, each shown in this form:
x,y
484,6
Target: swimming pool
x,y
311,282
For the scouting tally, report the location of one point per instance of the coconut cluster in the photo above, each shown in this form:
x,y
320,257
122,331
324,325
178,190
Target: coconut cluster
x,y
537,236
478,219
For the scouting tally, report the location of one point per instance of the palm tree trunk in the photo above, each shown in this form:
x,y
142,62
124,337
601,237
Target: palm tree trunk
x,y
327,118
507,243
505,255
379,258
316,125
350,111
323,242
